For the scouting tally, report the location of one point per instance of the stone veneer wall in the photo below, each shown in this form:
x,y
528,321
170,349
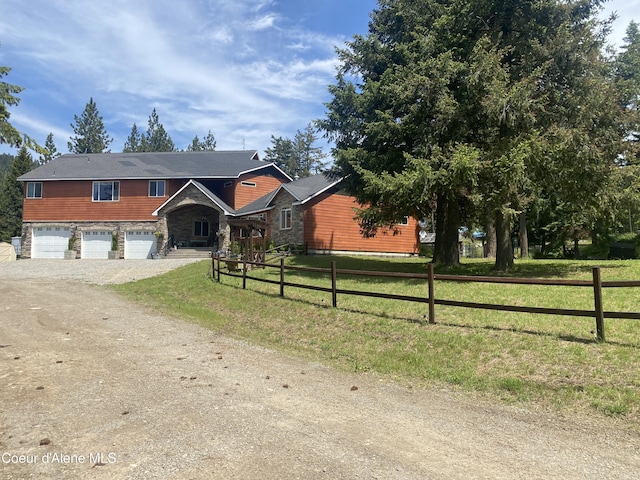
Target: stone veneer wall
x,y
294,235
195,205
77,228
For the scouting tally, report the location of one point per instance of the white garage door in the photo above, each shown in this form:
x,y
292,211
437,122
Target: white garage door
x,y
139,244
96,244
49,242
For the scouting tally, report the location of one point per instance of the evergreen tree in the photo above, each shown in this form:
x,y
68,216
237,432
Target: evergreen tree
x,y
50,150
11,196
208,144
8,98
282,153
156,139
474,102
628,78
90,133
297,157
309,158
133,142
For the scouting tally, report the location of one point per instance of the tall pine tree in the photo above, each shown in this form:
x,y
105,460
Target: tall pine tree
x,y
11,196
90,133
157,139
50,150
134,141
207,144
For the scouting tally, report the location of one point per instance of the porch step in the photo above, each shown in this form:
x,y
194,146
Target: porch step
x,y
191,252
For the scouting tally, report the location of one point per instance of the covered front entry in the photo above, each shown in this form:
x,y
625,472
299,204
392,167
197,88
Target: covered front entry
x,y
194,226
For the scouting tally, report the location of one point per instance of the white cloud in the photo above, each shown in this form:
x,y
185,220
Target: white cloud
x,y
262,23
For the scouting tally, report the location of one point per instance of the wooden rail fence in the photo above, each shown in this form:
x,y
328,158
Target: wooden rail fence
x,y
596,284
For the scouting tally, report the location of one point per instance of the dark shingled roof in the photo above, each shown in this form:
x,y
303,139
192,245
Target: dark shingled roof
x,y
308,187
302,190
148,165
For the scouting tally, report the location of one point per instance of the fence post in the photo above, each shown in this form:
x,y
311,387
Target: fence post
x,y
432,299
244,274
282,276
218,257
334,284
599,310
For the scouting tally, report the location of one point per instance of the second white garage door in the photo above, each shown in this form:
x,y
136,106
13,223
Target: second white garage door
x,y
140,244
96,244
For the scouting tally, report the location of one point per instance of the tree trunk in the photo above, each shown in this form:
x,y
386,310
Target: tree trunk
x,y
504,250
446,251
576,250
490,230
523,236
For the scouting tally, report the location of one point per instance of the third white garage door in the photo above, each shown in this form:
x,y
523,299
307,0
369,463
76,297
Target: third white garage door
x,y
96,244
139,244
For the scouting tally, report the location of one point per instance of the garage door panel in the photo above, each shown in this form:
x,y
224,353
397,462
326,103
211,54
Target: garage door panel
x,y
96,244
49,242
140,245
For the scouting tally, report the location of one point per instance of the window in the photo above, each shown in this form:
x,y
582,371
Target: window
x,y
34,189
106,191
201,228
248,184
405,221
285,219
156,188
227,184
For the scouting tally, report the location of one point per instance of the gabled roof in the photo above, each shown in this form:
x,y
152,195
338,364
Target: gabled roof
x,y
226,209
303,190
150,165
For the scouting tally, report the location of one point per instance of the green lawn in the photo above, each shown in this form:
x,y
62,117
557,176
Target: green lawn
x,y
548,361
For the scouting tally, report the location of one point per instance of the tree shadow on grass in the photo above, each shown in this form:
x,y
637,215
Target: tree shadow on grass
x,y
485,267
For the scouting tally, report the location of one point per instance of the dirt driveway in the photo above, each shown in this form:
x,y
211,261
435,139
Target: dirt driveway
x,y
93,386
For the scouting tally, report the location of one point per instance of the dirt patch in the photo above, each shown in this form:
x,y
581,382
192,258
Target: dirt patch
x,y
94,386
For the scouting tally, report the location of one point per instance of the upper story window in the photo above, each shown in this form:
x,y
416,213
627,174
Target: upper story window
x,y
285,219
106,191
34,189
405,221
248,184
156,188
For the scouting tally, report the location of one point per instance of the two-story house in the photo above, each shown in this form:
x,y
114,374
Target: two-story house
x,y
139,203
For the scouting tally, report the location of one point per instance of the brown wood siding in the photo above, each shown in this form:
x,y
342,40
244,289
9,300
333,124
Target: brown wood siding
x,y
72,201
244,195
329,224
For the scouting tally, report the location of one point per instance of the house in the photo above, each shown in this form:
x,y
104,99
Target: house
x,y
142,204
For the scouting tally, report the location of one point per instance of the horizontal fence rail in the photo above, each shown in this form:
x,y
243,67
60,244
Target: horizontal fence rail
x,y
596,284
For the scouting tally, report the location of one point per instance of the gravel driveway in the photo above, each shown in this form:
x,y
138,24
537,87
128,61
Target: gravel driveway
x,y
94,386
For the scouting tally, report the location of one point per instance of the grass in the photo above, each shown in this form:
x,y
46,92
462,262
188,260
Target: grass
x,y
547,361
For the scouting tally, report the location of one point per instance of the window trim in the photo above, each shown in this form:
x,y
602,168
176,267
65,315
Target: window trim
x,y
201,222
34,193
115,186
286,214
157,182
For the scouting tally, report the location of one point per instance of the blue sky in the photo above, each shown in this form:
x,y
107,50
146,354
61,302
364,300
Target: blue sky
x,y
244,69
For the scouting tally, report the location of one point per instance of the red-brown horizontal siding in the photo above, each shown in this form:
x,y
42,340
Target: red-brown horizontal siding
x,y
329,225
244,195
72,201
